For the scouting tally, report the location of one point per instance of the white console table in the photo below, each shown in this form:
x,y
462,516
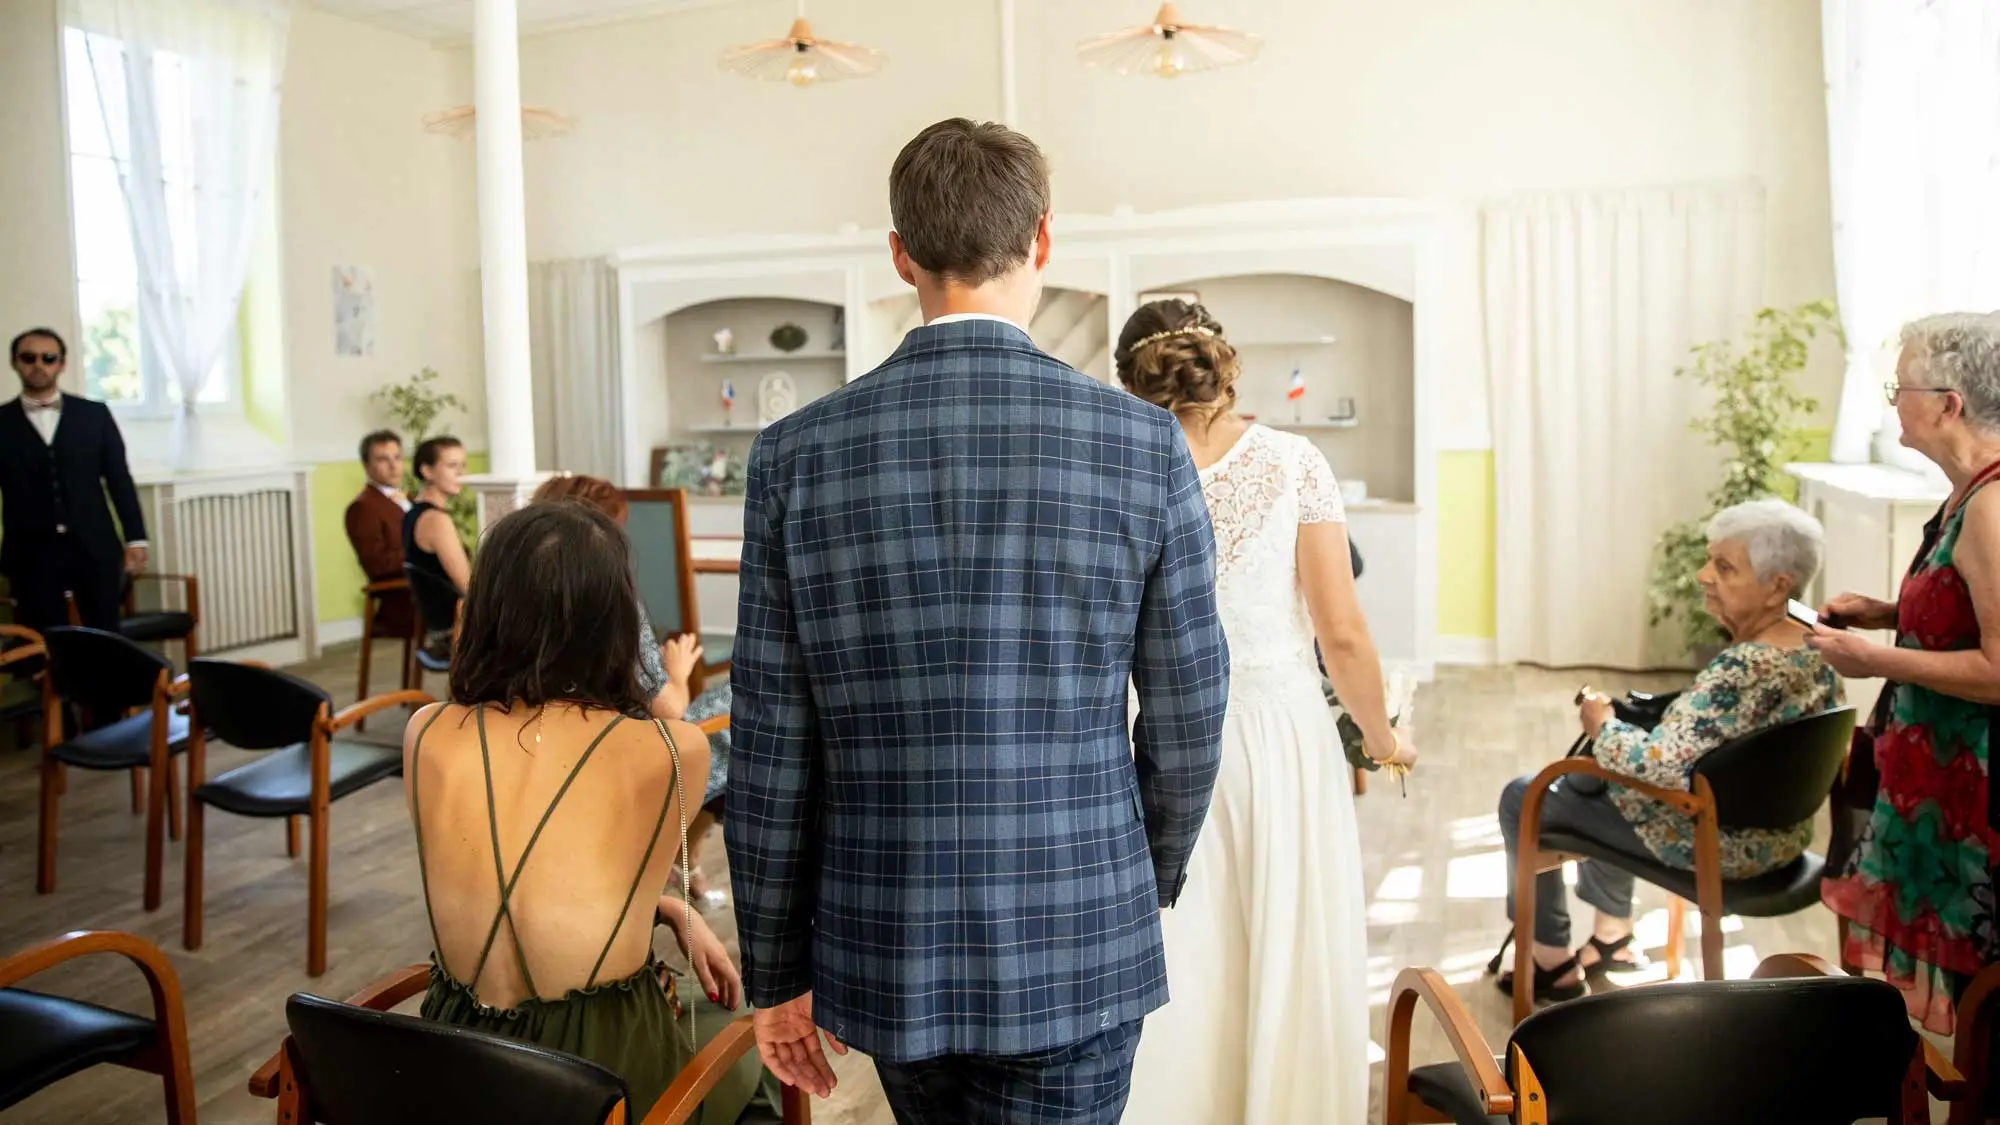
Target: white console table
x,y
1874,517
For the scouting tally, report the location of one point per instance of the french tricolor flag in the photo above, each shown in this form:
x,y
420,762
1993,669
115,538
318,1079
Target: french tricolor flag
x,y
1297,390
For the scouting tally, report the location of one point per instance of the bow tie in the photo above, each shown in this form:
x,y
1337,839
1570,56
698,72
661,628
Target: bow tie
x,y
34,407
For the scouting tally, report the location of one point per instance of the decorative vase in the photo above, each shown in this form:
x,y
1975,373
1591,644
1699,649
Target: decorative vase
x,y
788,337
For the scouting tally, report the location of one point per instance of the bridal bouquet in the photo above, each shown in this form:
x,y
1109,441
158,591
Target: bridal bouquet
x,y
1398,691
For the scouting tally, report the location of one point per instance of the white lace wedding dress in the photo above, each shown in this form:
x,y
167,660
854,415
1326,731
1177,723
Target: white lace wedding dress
x,y
1267,955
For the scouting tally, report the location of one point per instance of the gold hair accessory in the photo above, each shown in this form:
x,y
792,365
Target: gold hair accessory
x,y
1190,330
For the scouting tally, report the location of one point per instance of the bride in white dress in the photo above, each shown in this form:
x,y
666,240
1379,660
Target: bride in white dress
x,y
1267,949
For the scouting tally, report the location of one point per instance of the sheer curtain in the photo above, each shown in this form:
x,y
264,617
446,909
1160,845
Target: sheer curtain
x,y
189,90
573,333
1913,132
1591,302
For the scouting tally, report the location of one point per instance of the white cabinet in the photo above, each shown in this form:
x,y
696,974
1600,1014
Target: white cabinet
x,y
1874,517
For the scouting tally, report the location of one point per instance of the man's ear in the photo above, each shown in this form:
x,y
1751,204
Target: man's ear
x,y
900,258
1044,239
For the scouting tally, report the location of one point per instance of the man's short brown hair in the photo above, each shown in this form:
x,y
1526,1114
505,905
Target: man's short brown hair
x,y
966,198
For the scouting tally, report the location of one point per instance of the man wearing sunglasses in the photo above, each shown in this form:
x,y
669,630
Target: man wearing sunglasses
x,y
60,455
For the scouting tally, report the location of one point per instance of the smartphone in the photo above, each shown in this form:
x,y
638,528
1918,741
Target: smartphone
x,y
1801,612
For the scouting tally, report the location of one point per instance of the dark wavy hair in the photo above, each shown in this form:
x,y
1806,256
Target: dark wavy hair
x,y
551,614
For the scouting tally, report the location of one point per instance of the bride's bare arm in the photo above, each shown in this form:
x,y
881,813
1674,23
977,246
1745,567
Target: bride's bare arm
x,y
1326,574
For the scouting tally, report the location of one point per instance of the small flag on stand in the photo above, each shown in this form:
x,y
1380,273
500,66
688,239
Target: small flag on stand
x,y
1297,390
728,400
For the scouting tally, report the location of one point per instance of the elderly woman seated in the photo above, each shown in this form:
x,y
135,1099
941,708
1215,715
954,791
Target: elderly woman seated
x,y
1759,555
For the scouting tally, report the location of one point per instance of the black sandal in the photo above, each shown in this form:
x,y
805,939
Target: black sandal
x,y
1606,963
1547,991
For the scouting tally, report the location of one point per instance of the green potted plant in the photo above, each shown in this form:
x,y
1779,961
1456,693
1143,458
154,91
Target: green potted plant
x,y
416,407
1757,405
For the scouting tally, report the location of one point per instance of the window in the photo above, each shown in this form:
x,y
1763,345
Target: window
x,y
112,356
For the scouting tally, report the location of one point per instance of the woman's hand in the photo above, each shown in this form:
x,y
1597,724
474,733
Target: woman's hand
x,y
1856,611
718,974
1845,653
1594,712
681,656
1403,755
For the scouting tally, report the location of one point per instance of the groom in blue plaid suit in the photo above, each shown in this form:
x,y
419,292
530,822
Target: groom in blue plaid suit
x,y
946,849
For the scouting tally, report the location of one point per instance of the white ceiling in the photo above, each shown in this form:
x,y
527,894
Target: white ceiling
x,y
451,20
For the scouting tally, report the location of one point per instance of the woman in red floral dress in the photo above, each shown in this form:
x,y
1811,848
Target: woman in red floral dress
x,y
1918,893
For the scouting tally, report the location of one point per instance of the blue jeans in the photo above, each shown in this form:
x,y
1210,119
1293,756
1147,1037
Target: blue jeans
x,y
1084,1083
1590,815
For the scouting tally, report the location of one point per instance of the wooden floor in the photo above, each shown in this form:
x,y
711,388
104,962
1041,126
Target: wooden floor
x,y
1433,860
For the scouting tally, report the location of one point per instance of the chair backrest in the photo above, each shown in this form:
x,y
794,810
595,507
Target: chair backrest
x,y
363,1067
254,708
661,563
102,672
436,597
1805,1051
1779,776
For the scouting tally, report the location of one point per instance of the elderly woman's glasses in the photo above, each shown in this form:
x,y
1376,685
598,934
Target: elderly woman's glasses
x,y
1891,390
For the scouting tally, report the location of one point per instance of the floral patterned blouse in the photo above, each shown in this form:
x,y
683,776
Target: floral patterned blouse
x,y
1746,687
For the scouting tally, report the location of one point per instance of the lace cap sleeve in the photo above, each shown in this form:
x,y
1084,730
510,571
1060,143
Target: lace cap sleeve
x,y
1319,492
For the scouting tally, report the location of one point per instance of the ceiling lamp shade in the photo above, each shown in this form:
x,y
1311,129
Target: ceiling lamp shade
x,y
1169,47
459,121
802,58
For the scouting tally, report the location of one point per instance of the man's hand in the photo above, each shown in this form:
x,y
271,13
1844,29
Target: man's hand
x,y
135,559
788,1040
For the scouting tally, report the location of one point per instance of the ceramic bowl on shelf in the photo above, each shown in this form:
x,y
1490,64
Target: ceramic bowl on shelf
x,y
1353,491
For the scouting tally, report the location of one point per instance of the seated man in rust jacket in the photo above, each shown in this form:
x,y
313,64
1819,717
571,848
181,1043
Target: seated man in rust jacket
x,y
375,527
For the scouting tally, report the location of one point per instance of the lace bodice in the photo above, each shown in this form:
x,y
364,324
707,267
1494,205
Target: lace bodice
x,y
1258,494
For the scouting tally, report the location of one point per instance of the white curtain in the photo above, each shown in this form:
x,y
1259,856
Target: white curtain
x,y
1591,303
573,329
1913,131
189,90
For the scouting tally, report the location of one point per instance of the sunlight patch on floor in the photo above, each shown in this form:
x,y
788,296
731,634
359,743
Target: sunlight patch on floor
x,y
1481,875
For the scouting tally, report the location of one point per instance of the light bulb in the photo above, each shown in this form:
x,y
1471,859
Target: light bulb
x,y
1166,61
802,72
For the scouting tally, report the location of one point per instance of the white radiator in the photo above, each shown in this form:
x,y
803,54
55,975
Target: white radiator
x,y
244,538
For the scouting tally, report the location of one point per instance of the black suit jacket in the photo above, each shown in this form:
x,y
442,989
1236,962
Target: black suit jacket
x,y
43,485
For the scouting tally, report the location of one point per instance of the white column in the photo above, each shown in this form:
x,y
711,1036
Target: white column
x,y
503,239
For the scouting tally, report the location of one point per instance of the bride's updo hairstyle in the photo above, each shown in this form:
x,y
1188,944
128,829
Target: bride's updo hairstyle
x,y
1173,355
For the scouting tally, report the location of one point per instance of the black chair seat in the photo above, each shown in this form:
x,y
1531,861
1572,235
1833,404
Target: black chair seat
x,y
280,783
45,1039
1445,1087
164,625
123,745
1787,890
716,647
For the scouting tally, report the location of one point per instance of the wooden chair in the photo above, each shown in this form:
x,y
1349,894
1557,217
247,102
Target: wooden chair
x,y
359,1062
1750,1052
374,596
159,625
104,675
662,549
438,606
45,1039
1774,778
21,682
303,772
1972,1050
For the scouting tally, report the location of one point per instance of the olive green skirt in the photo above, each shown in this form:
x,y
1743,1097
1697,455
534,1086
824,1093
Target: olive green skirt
x,y
628,1027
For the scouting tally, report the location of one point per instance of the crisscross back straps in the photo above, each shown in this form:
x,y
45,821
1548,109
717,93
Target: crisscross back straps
x,y
506,884
417,818
652,842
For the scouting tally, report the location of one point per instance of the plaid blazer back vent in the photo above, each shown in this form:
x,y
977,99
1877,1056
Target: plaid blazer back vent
x,y
937,820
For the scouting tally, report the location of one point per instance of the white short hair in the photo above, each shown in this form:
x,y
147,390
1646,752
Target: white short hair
x,y
1959,352
1778,537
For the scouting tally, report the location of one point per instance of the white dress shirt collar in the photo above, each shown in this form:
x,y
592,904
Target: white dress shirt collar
x,y
950,317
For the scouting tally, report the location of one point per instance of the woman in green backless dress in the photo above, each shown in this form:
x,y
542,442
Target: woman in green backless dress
x,y
548,809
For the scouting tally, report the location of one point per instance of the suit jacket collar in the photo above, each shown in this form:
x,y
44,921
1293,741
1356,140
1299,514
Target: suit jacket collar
x,y
953,335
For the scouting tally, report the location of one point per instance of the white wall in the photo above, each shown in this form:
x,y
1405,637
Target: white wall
x,y
38,285
363,184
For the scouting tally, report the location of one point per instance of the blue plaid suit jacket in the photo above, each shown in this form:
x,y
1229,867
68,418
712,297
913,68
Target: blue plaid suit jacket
x,y
937,821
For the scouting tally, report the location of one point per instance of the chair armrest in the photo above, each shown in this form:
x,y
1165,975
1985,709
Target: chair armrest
x,y
714,724
380,996
1679,799
1945,1082
1474,1054
178,686
169,1013
386,586
355,713
27,651
682,1100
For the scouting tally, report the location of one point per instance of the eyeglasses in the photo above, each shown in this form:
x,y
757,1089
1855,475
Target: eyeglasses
x,y
1892,390
49,359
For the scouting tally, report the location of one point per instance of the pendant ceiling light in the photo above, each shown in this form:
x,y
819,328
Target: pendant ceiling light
x,y
1169,47
536,122
802,58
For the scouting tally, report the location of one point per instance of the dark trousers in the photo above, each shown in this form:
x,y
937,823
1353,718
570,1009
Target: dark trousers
x,y
41,577
1590,815
1084,1083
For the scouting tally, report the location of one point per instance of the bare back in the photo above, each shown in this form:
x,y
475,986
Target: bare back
x,y
596,800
